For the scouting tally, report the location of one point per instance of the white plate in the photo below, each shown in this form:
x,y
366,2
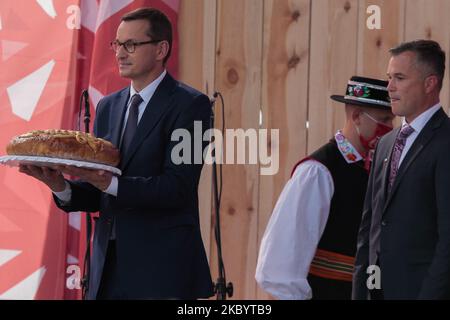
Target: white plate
x,y
14,161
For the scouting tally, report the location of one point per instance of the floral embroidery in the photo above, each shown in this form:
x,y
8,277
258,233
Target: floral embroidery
x,y
359,91
347,150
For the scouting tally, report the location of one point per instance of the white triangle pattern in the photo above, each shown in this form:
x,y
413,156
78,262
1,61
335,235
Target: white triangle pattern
x,y
95,95
80,56
108,8
7,255
89,11
10,48
93,15
71,259
48,7
27,288
75,220
25,93
173,4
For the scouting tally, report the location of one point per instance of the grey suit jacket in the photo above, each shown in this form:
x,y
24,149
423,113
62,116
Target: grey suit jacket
x,y
408,231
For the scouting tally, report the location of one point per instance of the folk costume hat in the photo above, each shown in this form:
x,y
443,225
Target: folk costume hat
x,y
366,92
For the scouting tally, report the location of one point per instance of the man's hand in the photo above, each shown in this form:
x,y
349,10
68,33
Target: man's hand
x,y
100,179
52,177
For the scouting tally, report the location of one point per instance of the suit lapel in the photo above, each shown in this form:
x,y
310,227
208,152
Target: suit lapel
x,y
156,107
421,141
118,115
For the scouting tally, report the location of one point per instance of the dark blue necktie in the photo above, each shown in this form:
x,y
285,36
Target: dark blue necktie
x,y
132,123
128,135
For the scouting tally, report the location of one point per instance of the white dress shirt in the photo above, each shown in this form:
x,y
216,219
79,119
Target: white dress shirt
x,y
294,230
146,94
417,124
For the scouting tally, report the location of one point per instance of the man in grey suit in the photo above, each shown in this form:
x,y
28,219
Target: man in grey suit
x,y
405,228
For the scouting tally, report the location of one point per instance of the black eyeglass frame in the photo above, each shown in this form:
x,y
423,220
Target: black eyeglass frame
x,y
116,44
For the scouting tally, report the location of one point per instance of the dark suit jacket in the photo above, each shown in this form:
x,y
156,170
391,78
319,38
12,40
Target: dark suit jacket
x,y
160,253
408,230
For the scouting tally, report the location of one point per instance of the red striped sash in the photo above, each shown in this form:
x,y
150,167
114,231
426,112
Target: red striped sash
x,y
331,265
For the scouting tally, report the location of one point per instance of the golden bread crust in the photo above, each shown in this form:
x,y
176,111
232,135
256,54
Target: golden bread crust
x,y
65,144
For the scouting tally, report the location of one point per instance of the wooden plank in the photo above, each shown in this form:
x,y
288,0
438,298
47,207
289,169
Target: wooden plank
x,y
285,92
374,45
248,65
333,53
430,20
238,78
197,68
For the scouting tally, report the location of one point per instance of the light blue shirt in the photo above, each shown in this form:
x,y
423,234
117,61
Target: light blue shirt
x,y
418,124
146,95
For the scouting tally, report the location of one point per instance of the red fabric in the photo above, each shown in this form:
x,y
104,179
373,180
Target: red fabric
x,y
44,66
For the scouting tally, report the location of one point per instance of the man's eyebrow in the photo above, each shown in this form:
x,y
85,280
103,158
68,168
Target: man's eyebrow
x,y
395,74
131,39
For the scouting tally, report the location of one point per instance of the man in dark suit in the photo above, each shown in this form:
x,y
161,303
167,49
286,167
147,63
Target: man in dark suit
x,y
405,229
147,241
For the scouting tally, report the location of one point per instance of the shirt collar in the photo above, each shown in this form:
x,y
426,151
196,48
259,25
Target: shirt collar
x,y
419,123
348,151
147,93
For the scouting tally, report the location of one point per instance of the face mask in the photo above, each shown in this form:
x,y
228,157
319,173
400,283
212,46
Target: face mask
x,y
371,142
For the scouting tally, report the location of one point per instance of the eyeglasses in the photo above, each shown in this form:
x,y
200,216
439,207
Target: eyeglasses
x,y
129,45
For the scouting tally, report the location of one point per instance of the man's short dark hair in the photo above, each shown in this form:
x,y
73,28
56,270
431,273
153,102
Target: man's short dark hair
x,y
160,26
428,53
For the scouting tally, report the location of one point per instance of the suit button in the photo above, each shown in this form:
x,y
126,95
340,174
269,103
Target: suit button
x,y
108,221
384,223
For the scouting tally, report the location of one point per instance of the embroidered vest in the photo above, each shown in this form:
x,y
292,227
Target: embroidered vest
x,y
335,254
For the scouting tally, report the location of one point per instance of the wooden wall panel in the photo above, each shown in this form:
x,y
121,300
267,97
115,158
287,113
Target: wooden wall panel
x,y
197,68
284,58
238,78
374,45
285,93
430,19
333,51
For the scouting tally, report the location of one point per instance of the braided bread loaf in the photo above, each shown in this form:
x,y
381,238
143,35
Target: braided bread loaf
x,y
65,144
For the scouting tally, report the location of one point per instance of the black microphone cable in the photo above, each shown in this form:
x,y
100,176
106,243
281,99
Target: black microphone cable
x,y
221,289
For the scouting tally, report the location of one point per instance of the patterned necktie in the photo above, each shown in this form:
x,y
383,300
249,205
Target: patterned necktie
x,y
132,123
400,142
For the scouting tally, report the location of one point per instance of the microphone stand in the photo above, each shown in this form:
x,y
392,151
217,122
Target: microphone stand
x,y
221,289
87,257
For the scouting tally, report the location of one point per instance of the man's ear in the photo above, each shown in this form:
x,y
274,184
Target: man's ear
x,y
163,50
431,83
356,115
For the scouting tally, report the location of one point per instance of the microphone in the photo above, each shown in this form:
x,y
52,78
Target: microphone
x,y
87,110
213,99
87,256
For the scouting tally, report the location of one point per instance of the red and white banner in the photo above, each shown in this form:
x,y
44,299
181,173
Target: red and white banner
x,y
50,50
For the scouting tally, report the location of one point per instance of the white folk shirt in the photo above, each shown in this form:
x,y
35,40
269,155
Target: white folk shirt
x,y
296,226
